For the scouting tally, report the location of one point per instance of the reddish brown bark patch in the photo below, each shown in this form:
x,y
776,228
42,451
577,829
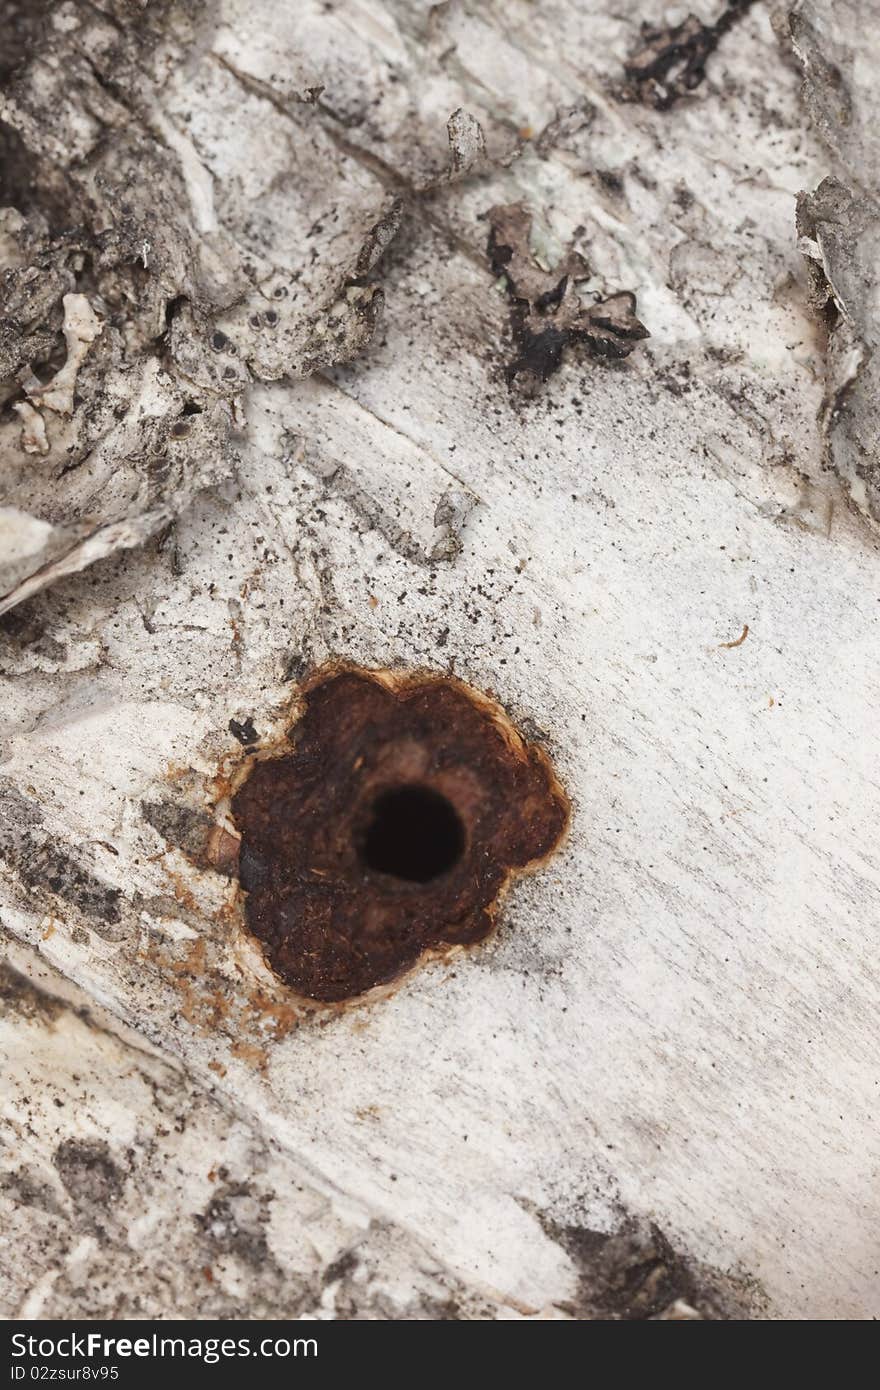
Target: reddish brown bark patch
x,y
389,830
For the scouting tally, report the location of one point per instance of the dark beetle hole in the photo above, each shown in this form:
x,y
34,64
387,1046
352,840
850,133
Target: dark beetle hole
x,y
414,834
355,864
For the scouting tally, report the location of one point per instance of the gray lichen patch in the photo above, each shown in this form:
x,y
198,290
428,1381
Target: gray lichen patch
x,y
635,1274
182,826
27,849
91,1176
204,841
18,995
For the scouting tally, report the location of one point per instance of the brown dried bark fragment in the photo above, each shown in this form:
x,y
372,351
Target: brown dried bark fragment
x,y
547,313
389,830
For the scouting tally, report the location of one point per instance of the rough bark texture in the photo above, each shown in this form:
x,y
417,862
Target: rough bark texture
x,y
513,342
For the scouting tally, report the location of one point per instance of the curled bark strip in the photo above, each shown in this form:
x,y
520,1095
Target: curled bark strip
x,y
838,225
547,313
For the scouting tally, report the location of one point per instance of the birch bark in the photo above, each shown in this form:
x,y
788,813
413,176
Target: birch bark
x,y
294,436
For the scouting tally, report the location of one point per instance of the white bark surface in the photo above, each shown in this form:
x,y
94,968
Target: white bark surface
x,y
674,1028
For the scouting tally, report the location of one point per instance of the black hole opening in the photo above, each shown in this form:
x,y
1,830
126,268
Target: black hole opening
x,y
414,834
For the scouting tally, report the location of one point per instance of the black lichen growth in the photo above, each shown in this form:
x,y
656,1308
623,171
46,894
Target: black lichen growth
x,y
671,60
